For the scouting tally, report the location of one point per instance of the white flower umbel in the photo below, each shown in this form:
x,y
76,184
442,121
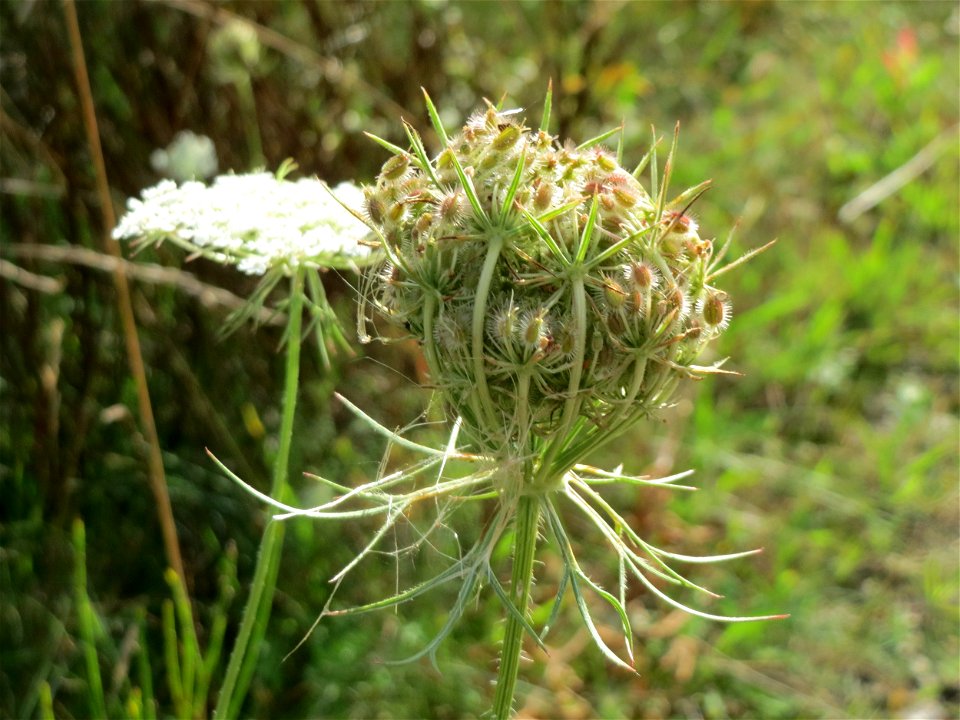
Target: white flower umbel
x,y
257,221
289,233
264,225
188,157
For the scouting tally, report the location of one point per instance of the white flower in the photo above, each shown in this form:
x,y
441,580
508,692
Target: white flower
x,y
255,221
187,157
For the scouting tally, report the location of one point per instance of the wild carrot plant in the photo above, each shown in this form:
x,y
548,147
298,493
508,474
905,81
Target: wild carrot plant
x,y
288,232
557,301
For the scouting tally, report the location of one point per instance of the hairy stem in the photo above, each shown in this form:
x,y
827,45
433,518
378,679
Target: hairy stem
x,y
571,406
479,318
429,341
524,548
257,612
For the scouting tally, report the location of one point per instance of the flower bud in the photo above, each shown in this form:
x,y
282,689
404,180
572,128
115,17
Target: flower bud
x,y
531,286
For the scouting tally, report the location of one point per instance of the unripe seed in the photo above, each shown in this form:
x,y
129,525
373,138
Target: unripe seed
x,y
671,244
616,324
715,310
450,334
395,167
491,160
614,295
625,196
504,323
605,360
507,138
445,160
596,342
606,162
535,330
374,207
543,196
641,275
451,207
681,230
396,212
568,342
423,224
594,186
680,222
676,301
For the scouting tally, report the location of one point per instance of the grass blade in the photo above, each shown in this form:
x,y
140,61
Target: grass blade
x,y
514,185
547,107
435,118
599,138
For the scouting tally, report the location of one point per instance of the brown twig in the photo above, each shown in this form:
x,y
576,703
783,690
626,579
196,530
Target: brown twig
x,y
206,295
158,481
27,279
902,176
24,135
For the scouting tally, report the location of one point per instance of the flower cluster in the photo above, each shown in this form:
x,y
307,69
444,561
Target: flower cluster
x,y
257,221
188,157
546,285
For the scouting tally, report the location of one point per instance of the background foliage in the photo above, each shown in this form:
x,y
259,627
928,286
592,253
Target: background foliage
x,y
837,451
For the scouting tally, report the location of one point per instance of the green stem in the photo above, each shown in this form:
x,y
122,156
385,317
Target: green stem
x,y
257,612
87,621
571,406
479,319
429,341
251,124
524,548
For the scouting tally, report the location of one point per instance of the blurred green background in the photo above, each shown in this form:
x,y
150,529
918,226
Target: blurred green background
x,y
837,451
